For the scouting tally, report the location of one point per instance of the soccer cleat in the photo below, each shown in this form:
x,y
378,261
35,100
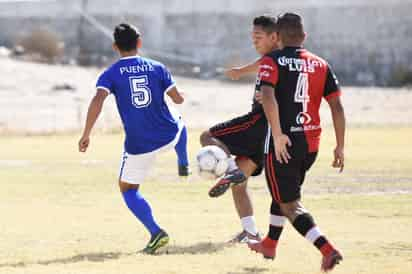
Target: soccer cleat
x,y
253,238
157,241
233,177
241,237
244,237
331,260
183,171
259,247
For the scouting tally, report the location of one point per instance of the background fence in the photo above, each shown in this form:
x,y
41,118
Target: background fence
x,y
368,42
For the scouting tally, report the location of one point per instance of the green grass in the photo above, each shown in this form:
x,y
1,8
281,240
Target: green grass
x,y
61,211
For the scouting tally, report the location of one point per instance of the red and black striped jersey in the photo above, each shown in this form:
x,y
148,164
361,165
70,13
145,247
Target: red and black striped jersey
x,y
301,79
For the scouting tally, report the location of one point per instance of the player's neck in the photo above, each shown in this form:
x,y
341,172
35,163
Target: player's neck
x,y
291,45
128,53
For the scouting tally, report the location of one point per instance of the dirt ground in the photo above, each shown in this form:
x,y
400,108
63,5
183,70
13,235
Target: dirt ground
x,y
30,101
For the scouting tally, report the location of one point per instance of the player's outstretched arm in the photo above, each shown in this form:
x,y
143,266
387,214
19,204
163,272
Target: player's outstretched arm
x,y
175,95
281,141
237,72
338,116
93,113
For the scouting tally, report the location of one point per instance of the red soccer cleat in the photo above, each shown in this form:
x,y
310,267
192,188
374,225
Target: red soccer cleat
x,y
329,261
268,252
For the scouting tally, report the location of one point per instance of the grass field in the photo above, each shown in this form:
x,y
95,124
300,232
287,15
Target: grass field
x,y
61,212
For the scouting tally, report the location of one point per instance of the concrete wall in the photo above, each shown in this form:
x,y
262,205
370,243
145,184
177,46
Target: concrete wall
x,y
367,42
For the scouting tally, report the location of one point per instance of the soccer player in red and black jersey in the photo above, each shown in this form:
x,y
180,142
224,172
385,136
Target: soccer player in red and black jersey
x,y
293,82
244,137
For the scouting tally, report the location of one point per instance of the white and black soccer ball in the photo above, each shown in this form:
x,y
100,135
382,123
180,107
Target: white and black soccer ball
x,y
212,162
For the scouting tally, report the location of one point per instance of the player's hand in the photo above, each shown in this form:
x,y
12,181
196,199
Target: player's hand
x,y
339,159
233,73
259,97
84,143
281,143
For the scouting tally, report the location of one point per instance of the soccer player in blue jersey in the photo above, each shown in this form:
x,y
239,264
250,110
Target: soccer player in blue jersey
x,y
139,86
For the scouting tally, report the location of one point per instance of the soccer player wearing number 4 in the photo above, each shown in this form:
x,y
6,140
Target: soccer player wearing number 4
x,y
139,86
293,82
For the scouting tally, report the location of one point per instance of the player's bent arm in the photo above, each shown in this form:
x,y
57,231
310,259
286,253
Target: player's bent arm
x,y
94,110
250,68
175,95
339,121
237,72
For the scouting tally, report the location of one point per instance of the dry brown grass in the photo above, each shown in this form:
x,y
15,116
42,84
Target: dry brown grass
x,y
43,43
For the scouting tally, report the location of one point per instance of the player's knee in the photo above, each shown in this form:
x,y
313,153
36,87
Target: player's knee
x,y
290,210
246,165
205,138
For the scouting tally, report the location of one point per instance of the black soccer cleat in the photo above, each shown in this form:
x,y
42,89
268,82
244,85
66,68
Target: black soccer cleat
x,y
183,171
231,178
157,241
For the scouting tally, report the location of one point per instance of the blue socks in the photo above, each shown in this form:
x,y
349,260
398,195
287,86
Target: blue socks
x,y
141,209
181,149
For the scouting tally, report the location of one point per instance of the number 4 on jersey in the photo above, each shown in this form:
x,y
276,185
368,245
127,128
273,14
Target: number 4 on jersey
x,y
302,91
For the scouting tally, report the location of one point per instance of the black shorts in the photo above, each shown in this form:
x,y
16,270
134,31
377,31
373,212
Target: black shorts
x,y
244,136
285,180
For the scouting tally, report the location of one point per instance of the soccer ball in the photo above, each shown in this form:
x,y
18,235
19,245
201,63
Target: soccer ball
x,y
212,162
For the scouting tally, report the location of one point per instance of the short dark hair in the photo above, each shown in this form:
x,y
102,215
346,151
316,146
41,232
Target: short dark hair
x,y
126,36
266,22
290,28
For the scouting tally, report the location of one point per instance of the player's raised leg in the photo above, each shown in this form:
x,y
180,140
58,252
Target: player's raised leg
x,y
233,175
181,151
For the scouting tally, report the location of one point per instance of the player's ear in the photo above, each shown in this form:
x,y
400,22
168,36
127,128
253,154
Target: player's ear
x,y
275,37
139,43
305,35
280,43
115,48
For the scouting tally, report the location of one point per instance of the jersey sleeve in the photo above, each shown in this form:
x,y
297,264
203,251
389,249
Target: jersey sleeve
x,y
104,82
168,81
332,88
268,72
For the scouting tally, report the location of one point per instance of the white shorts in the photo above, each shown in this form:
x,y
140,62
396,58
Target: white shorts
x,y
135,167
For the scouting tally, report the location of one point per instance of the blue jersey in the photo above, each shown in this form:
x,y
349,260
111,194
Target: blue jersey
x,y
139,86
